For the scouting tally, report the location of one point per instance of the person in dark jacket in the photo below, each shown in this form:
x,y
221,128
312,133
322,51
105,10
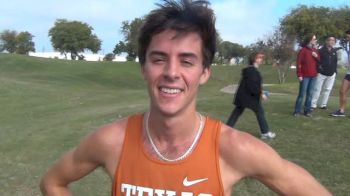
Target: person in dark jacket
x,y
249,95
306,71
327,70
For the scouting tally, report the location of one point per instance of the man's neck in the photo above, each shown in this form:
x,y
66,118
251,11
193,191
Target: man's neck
x,y
172,138
329,48
173,129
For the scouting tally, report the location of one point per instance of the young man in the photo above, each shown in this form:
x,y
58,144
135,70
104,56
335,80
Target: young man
x,y
327,70
306,71
172,149
249,95
345,85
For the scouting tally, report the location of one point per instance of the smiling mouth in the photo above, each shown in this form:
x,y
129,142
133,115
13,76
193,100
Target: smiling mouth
x,y
170,90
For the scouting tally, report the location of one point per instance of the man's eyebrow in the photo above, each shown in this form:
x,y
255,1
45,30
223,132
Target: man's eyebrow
x,y
189,55
157,53
163,54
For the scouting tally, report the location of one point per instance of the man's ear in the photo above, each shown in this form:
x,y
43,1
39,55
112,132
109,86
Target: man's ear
x,y
205,75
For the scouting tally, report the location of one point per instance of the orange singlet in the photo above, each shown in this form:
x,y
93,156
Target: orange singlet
x,y
141,175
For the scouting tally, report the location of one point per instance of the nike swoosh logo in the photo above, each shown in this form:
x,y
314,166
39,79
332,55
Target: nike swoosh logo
x,y
187,182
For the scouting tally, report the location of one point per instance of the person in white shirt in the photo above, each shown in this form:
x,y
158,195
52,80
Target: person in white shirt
x,y
327,70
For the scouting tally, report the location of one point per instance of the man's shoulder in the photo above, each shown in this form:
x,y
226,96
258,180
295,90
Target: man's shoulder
x,y
110,135
233,139
250,70
116,127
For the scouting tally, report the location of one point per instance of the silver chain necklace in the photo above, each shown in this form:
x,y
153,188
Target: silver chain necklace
x,y
189,150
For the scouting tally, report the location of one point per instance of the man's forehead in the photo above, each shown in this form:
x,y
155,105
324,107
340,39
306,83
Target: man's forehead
x,y
177,35
188,42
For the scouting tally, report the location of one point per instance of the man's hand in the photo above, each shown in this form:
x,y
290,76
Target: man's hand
x,y
265,95
300,79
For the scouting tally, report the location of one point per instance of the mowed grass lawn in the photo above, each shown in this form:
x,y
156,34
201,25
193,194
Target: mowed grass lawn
x,y
47,106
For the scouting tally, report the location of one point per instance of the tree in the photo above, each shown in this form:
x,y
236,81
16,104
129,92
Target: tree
x,y
343,14
109,57
217,58
130,32
228,50
24,43
237,51
282,52
8,39
73,37
319,20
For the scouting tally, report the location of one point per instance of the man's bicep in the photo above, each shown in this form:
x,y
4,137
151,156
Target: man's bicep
x,y
287,178
70,167
268,167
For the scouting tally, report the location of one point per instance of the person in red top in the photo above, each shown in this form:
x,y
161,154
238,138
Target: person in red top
x,y
306,71
166,151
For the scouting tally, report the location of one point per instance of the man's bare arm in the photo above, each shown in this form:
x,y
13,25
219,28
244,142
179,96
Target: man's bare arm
x,y
287,178
100,148
253,158
67,169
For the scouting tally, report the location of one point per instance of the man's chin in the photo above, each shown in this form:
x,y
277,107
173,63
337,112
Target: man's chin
x,y
167,111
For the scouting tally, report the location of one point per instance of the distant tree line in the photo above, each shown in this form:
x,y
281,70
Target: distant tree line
x,y
13,42
76,37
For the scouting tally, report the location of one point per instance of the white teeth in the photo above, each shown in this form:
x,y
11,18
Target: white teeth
x,y
170,90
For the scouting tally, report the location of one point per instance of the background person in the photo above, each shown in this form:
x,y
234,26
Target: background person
x,y
327,71
249,95
306,71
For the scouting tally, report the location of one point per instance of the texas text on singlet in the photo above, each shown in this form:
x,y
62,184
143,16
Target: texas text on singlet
x,y
140,174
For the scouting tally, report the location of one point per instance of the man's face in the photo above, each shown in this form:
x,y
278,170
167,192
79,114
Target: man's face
x,y
174,70
347,37
330,42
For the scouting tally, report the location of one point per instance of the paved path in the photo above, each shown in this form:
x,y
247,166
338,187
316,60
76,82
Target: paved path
x,y
231,89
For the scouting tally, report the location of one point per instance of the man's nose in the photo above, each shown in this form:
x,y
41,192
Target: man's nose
x,y
172,70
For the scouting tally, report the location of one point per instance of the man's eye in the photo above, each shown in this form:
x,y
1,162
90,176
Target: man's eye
x,y
187,63
158,61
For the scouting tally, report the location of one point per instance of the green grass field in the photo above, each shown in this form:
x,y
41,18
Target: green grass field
x,y
47,106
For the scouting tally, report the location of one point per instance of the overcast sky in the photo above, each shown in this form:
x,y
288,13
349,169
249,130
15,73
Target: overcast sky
x,y
239,21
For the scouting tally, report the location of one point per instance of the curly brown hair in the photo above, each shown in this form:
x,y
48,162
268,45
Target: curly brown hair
x,y
184,16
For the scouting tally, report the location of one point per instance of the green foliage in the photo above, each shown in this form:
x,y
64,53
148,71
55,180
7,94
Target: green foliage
x,y
319,20
109,57
13,42
130,32
73,37
228,50
8,39
281,49
24,43
278,49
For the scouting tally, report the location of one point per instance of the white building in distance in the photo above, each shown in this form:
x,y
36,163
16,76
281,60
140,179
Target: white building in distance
x,y
88,56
